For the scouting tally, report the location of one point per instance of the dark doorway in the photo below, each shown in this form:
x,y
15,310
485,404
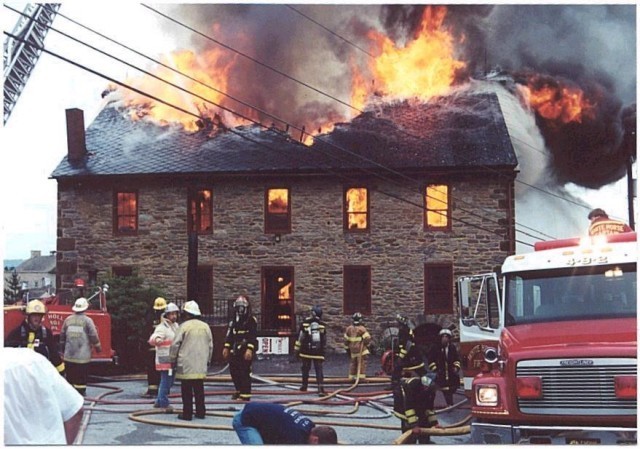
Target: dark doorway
x,y
277,300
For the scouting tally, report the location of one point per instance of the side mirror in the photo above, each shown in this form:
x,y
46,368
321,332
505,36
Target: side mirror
x,y
464,293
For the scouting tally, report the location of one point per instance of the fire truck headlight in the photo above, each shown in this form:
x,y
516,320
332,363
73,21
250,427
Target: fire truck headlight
x,y
487,395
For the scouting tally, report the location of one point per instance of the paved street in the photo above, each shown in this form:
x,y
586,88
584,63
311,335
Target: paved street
x,y
108,419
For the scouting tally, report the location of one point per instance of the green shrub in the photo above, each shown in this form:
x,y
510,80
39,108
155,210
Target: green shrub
x,y
129,303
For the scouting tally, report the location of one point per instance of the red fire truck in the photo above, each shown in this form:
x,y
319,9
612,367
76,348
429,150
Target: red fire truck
x,y
554,345
58,310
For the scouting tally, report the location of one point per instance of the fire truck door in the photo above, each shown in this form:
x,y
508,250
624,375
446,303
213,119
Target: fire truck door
x,y
481,321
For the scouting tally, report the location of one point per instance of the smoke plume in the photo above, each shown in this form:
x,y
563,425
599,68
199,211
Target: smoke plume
x,y
591,47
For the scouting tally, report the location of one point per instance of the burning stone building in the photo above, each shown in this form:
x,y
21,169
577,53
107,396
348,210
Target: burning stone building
x,y
380,215
386,208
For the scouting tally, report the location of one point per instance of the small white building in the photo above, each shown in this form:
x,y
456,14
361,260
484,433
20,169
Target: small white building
x,y
37,274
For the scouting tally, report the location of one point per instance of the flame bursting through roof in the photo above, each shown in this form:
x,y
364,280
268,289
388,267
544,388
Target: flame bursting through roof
x,y
407,53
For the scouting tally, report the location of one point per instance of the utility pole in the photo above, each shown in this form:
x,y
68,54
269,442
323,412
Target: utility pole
x,y
192,267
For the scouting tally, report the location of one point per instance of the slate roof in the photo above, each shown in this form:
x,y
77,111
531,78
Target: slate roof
x,y
38,264
451,132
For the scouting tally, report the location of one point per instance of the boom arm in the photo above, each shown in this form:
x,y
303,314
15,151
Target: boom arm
x,y
20,59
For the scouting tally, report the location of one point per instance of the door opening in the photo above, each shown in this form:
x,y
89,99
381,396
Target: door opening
x,y
277,300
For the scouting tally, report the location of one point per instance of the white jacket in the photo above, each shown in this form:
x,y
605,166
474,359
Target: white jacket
x,y
162,337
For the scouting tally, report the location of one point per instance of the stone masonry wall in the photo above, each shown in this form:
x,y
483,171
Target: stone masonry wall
x,y
396,248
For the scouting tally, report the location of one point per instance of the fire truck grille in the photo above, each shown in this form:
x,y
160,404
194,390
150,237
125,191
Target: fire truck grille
x,y
578,386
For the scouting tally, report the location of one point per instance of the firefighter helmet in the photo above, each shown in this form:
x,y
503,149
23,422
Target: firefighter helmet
x,y
192,308
597,212
80,305
171,307
316,311
241,306
402,319
445,331
160,303
357,318
35,306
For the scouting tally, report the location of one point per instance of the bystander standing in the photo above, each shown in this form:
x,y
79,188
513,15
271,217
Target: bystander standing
x,y
40,407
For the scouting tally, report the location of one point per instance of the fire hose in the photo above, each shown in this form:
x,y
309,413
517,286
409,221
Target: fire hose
x,y
87,417
357,399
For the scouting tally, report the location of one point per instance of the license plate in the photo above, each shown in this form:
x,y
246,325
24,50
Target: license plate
x,y
583,441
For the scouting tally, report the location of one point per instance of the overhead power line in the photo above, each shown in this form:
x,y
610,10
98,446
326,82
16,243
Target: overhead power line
x,y
297,11
250,58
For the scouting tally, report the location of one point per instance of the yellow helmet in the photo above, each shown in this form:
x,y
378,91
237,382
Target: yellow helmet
x,y
160,303
35,306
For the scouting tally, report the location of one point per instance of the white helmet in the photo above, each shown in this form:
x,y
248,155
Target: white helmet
x,y
171,307
192,308
445,331
35,306
81,305
241,306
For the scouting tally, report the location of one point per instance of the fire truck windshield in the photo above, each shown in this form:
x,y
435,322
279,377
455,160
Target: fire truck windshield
x,y
574,293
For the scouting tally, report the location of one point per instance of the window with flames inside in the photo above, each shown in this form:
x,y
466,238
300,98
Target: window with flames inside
x,y
125,213
356,209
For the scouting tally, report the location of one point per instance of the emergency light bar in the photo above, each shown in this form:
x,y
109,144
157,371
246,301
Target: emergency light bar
x,y
577,241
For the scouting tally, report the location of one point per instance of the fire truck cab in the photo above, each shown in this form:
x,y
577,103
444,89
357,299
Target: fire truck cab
x,y
554,345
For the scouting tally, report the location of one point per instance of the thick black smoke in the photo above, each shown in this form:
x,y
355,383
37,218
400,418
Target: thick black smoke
x,y
590,46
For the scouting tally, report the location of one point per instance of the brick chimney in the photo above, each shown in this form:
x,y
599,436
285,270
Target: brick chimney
x,y
35,253
76,144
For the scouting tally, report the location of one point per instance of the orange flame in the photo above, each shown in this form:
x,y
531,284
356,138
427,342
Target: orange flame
x,y
209,68
278,201
284,293
557,102
359,88
425,67
356,208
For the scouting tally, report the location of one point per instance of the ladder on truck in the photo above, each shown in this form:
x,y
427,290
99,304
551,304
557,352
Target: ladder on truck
x,y
20,58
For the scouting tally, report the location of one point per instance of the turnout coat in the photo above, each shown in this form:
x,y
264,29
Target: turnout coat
x,y
191,350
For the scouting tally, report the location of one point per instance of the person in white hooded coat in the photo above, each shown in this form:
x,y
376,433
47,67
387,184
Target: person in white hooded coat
x,y
162,338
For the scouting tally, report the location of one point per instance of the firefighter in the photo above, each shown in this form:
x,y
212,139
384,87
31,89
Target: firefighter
x,y
601,224
77,336
154,317
408,357
444,362
34,335
413,403
190,353
310,346
239,346
357,339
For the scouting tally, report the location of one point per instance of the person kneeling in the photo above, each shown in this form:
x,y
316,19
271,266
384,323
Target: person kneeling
x,y
265,423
